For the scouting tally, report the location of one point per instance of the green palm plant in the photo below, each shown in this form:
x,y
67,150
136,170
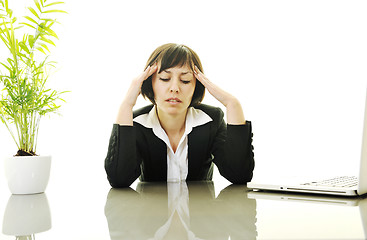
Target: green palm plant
x,y
24,72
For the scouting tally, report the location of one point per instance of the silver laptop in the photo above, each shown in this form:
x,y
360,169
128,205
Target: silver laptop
x,y
344,185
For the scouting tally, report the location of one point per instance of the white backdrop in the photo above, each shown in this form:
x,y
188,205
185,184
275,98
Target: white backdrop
x,y
298,68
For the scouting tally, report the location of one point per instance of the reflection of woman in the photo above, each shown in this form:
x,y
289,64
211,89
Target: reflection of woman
x,y
180,211
177,138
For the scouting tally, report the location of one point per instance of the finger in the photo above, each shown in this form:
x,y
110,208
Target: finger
x,y
149,71
200,76
153,69
197,70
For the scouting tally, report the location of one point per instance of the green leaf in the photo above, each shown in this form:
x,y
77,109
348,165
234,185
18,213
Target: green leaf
x,y
50,4
24,47
31,20
38,5
52,33
22,55
54,11
31,41
51,23
3,23
29,25
41,50
44,46
47,40
34,12
5,66
9,12
48,20
5,41
10,61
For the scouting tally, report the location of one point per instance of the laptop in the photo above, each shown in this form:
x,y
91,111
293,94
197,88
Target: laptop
x,y
343,186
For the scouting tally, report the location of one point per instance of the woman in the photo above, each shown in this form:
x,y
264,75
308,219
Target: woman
x,y
177,138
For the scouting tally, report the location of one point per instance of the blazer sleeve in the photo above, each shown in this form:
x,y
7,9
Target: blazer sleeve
x,y
233,151
122,163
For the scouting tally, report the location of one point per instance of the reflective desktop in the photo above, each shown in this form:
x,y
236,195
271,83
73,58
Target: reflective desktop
x,y
192,210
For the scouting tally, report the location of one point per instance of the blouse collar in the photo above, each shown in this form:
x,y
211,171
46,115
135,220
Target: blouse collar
x,y
195,117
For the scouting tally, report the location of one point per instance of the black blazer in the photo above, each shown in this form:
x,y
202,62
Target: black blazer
x,y
135,151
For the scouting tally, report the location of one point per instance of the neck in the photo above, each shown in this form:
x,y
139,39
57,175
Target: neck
x,y
172,124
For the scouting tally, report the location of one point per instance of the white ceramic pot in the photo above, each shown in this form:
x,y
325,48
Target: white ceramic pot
x,y
27,174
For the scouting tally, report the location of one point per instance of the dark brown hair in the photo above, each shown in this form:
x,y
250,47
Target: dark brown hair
x,y
171,55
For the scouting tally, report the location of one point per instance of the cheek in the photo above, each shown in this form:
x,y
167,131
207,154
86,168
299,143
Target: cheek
x,y
192,87
155,83
154,88
157,88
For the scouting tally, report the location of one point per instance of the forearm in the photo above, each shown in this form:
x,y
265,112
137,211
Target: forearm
x,y
125,114
234,111
122,162
233,106
233,152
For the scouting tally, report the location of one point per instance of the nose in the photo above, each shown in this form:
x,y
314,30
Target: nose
x,y
174,87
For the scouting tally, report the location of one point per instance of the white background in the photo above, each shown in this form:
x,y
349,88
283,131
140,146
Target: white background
x,y
298,68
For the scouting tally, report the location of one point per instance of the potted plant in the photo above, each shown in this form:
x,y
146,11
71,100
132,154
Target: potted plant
x,y
24,97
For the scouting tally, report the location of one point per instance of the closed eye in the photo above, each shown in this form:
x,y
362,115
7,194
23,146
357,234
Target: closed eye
x,y
164,79
185,81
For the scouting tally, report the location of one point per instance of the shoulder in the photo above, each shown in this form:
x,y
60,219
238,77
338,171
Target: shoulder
x,y
142,111
215,113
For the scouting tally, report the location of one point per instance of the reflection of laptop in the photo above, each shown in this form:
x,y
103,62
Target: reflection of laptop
x,y
307,198
359,202
335,186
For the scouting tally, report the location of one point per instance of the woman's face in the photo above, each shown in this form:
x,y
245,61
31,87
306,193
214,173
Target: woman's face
x,y
173,89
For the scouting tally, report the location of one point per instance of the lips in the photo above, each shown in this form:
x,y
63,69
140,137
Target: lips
x,y
173,100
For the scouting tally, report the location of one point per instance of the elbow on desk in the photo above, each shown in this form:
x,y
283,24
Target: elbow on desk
x,y
242,179
121,183
241,174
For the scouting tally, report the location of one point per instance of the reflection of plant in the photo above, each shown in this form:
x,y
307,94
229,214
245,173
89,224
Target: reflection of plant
x,y
25,98
29,237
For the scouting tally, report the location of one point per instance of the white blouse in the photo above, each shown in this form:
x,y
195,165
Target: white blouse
x,y
177,162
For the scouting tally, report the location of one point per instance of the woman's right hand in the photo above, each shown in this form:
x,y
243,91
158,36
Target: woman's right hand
x,y
125,114
135,87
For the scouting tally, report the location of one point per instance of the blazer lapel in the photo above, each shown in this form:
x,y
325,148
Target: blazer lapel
x,y
155,165
198,148
159,159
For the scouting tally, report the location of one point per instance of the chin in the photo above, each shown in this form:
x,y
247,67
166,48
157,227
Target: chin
x,y
174,110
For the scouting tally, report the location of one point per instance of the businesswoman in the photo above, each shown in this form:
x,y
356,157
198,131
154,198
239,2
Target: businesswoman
x,y
177,138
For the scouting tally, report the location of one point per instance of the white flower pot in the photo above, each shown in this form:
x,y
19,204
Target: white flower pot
x,y
27,174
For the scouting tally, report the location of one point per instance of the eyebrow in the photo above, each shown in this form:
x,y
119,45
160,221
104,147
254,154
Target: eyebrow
x,y
183,73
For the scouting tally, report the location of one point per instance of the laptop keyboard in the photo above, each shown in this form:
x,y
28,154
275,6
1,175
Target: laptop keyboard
x,y
344,181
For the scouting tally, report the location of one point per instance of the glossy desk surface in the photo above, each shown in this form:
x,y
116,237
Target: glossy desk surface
x,y
180,211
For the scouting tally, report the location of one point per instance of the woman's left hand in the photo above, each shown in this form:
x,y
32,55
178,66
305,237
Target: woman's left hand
x,y
233,106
